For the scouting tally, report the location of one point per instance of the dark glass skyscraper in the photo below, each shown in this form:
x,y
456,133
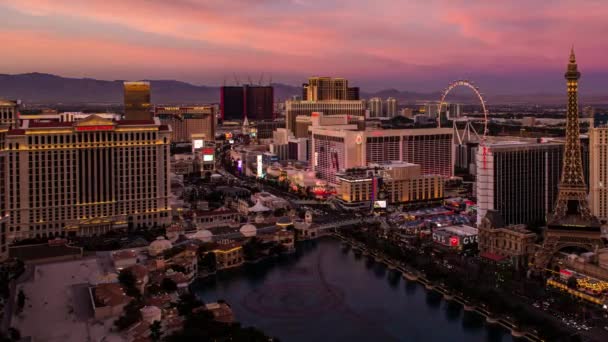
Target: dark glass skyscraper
x,y
352,93
251,101
258,102
231,103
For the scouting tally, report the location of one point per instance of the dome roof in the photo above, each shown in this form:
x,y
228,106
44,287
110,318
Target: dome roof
x,y
159,245
284,221
248,230
258,207
203,235
150,313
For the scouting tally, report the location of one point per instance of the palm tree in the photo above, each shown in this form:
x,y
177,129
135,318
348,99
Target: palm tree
x,y
155,331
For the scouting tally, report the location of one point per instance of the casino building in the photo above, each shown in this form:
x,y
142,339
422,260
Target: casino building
x,y
188,121
340,147
394,182
3,215
87,177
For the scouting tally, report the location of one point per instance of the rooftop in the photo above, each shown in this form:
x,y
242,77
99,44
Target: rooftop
x,y
40,124
492,256
227,246
394,163
139,271
111,294
58,295
124,254
459,230
32,253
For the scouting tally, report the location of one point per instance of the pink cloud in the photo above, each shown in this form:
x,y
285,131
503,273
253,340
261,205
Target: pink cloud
x,y
354,38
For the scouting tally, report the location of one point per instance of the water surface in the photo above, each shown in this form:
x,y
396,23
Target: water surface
x,y
326,293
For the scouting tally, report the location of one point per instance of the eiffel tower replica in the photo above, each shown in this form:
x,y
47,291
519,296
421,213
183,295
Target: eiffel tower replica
x,y
571,224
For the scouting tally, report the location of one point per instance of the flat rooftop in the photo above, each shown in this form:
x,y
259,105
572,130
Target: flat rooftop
x,y
33,253
58,306
461,230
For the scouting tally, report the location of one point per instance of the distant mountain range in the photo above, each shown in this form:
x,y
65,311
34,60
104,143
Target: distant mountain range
x,y
39,88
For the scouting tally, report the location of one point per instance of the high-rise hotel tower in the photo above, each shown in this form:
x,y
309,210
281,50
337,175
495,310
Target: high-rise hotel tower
x,y
137,101
3,214
87,177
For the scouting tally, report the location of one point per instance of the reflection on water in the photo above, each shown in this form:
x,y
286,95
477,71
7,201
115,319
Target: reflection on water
x,y
325,292
433,299
410,287
452,311
394,278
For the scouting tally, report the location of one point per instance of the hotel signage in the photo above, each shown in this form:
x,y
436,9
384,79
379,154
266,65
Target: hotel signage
x,y
94,128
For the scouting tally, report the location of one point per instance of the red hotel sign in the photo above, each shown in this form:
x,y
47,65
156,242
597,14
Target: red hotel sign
x,y
95,128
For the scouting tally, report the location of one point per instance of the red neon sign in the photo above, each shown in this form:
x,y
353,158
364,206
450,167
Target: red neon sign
x,y
208,151
95,128
454,241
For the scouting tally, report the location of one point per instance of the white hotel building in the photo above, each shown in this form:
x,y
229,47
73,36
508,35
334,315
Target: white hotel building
x,y
338,148
327,107
598,172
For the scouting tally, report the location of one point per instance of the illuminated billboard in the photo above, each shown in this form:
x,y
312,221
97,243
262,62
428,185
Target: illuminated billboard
x,y
208,157
198,143
379,204
260,166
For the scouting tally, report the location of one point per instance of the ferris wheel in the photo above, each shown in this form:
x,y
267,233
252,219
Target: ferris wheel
x,y
466,133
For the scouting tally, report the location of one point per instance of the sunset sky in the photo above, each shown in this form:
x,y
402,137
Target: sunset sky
x,y
505,46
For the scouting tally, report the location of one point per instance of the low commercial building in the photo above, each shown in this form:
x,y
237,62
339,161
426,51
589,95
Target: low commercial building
x,y
497,241
285,237
124,258
270,201
221,312
108,300
389,183
188,121
185,164
215,218
229,255
457,237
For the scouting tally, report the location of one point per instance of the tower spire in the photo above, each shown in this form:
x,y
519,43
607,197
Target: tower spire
x,y
571,223
572,195
572,56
